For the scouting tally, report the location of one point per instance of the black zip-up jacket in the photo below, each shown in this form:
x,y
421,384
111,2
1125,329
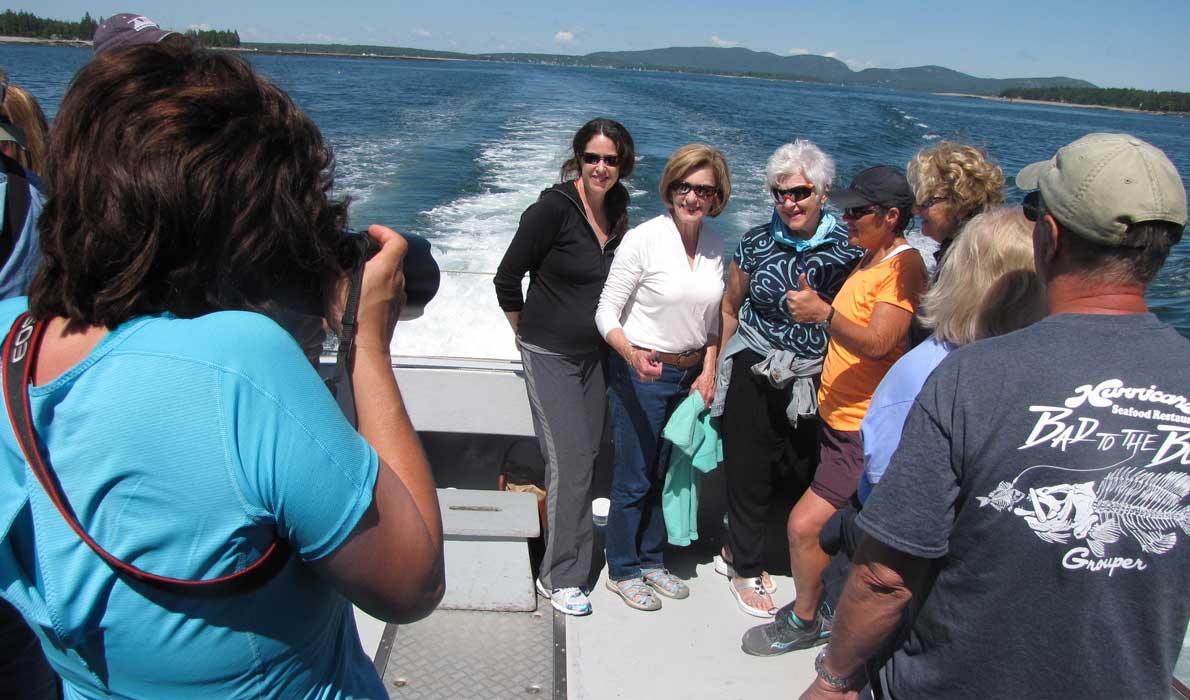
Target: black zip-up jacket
x,y
556,245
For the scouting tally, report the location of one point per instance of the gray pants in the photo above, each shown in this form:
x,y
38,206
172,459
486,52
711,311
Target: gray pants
x,y
568,396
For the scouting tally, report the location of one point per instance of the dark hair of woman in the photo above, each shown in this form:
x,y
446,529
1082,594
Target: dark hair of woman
x,y
613,130
179,181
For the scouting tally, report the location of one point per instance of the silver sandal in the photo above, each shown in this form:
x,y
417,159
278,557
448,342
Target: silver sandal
x,y
635,593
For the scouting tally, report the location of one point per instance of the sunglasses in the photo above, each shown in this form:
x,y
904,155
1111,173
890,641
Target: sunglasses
x,y
930,202
795,194
1031,205
594,158
682,188
858,212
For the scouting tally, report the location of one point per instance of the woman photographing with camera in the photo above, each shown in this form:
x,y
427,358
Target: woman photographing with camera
x,y
566,242
189,439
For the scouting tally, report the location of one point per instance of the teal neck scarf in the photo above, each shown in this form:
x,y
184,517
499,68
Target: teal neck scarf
x,y
783,235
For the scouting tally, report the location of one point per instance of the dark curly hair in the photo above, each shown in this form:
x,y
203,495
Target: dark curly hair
x,y
179,180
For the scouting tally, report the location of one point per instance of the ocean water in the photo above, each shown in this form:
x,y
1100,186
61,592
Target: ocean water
x,y
456,150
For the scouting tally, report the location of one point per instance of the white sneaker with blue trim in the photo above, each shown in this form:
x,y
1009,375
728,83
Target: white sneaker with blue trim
x,y
568,601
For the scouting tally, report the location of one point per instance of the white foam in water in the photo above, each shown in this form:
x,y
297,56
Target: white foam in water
x,y
363,165
470,235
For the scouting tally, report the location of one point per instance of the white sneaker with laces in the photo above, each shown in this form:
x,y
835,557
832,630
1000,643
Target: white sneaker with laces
x,y
568,601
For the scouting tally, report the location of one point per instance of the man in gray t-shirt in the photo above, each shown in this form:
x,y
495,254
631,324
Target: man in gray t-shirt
x,y
1036,513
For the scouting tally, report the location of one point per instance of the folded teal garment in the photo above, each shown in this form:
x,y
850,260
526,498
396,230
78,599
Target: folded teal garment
x,y
695,447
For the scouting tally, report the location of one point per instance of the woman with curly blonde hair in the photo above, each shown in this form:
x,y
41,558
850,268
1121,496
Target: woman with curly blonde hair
x,y
952,182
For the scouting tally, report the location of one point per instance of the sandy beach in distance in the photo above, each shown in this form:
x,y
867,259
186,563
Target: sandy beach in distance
x,y
1017,100
36,40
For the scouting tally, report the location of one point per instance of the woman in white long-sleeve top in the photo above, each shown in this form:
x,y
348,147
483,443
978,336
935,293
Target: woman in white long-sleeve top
x,y
659,312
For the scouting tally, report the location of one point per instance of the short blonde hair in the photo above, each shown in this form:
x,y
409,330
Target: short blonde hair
x,y
693,156
962,174
21,108
987,284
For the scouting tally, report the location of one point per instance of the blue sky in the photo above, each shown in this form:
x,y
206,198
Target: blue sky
x,y
1136,43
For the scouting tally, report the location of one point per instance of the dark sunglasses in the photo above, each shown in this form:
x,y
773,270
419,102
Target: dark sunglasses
x,y
594,158
1031,205
858,212
795,194
682,188
930,202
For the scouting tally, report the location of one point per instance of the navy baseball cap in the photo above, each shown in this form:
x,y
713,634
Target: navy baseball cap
x,y
882,185
126,29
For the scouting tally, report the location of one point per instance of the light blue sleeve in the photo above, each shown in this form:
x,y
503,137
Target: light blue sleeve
x,y
885,421
302,464
881,431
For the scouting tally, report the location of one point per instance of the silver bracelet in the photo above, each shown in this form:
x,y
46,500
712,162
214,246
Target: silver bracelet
x,y
855,681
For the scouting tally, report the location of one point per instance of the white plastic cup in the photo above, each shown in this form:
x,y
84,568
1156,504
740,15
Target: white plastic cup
x,y
599,510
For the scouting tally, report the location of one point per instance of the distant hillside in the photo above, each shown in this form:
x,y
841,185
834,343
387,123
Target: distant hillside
x,y
728,61
1149,100
808,67
354,49
731,60
939,79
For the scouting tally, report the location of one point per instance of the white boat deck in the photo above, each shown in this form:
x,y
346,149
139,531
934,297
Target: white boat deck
x,y
690,649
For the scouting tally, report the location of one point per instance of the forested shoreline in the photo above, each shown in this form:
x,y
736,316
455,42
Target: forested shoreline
x,y
1147,100
29,25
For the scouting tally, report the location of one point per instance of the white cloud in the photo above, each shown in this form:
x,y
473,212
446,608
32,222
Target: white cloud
x,y
423,32
564,37
831,54
320,38
798,52
857,64
200,27
723,43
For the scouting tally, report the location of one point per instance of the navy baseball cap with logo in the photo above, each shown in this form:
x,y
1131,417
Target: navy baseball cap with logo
x,y
882,185
126,29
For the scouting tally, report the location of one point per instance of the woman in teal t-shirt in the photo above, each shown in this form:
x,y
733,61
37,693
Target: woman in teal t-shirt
x,y
189,434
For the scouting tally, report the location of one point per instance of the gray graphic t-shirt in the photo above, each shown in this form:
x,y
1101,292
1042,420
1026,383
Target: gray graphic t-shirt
x,y
1046,474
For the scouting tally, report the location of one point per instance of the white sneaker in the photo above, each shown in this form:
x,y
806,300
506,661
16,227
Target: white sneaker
x,y
568,601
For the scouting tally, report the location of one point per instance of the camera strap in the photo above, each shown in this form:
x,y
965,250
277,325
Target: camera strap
x,y
20,353
340,384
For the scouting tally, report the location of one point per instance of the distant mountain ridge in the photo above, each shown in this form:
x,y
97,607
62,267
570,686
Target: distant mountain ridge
x,y
729,61
809,67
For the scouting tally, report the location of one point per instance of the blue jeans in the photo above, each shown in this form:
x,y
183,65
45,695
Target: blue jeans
x,y
635,533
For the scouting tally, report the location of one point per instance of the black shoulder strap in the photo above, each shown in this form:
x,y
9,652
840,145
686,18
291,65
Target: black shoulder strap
x,y
16,207
339,382
20,351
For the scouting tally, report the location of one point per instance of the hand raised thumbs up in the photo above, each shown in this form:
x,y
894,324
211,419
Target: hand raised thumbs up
x,y
804,304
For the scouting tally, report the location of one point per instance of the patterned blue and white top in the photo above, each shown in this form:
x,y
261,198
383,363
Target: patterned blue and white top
x,y
774,268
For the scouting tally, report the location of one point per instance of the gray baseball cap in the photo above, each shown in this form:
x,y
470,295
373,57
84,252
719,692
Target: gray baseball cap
x,y
126,29
1102,183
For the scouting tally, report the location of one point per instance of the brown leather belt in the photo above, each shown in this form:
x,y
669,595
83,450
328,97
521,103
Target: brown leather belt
x,y
681,360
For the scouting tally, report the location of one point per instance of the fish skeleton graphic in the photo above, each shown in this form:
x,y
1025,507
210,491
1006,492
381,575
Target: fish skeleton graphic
x,y
1144,505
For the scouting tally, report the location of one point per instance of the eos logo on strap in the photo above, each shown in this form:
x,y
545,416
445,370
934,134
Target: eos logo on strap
x,y
20,346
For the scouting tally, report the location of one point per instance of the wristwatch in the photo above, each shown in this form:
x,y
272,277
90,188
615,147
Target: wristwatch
x,y
825,324
855,681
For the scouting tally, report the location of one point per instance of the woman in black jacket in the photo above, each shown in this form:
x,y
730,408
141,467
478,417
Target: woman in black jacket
x,y
565,242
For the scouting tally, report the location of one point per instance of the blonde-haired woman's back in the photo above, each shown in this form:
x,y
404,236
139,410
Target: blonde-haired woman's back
x,y
986,287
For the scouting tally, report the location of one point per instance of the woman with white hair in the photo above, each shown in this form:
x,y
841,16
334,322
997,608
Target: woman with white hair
x,y
770,363
986,287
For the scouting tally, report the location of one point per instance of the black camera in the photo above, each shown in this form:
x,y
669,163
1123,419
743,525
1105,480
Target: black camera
x,y
422,276
421,284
